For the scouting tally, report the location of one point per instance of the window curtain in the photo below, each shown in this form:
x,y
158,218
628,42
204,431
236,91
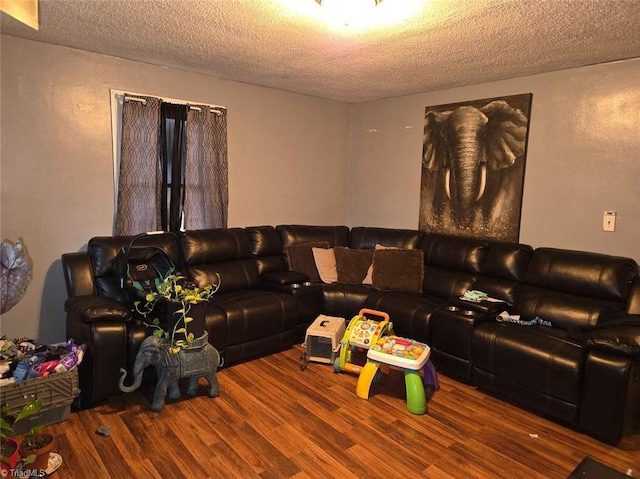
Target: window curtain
x,y
173,167
206,170
140,181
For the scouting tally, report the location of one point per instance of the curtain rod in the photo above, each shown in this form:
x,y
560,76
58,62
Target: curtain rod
x,y
213,108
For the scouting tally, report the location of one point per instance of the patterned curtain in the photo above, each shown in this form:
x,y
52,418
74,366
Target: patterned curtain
x,y
206,172
140,181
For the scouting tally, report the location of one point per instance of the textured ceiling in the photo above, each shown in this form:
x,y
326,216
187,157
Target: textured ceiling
x,y
408,46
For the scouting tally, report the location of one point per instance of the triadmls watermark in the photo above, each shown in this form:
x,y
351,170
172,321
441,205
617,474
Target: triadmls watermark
x,y
23,472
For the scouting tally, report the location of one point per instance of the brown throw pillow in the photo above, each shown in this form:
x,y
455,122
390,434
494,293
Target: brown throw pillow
x,y
398,270
300,258
352,264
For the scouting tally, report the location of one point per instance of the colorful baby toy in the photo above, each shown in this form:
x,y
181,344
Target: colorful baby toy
x,y
407,355
361,334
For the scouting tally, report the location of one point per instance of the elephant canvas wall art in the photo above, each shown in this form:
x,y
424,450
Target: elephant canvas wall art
x,y
473,165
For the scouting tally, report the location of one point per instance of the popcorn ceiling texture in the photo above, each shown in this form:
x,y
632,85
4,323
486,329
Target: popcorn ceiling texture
x,y
287,44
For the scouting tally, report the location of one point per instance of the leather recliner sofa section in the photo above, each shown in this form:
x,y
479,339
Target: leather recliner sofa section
x,y
583,371
549,369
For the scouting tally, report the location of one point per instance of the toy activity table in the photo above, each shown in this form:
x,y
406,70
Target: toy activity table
x,y
405,354
361,334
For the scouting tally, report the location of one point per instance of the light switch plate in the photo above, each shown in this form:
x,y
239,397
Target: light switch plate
x,y
609,221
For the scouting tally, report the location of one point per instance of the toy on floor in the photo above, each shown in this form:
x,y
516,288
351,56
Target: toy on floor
x,y
407,355
322,340
361,334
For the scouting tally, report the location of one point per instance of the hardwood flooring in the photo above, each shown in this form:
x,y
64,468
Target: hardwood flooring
x,y
273,420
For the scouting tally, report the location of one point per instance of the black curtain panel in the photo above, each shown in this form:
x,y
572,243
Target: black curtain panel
x,y
173,119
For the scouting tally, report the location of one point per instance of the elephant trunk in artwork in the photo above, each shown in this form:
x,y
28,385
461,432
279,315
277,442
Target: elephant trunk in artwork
x,y
465,181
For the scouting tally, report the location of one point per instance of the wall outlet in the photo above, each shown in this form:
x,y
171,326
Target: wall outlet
x,y
609,221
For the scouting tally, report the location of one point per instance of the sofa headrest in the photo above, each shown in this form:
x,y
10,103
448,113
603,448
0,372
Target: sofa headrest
x,y
453,252
215,245
297,234
367,238
223,253
265,240
593,275
506,260
266,248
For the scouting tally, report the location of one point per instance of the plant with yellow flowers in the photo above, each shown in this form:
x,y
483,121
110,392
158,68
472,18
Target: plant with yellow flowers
x,y
175,289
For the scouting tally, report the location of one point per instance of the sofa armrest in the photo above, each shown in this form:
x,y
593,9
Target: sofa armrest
x,y
615,338
485,307
89,309
309,297
610,396
105,354
616,332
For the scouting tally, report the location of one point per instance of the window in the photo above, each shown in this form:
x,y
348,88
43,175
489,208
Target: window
x,y
171,173
173,119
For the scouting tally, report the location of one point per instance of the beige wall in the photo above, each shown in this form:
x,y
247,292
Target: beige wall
x,y
297,159
583,157
288,155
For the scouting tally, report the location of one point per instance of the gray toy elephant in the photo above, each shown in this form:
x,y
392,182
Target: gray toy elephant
x,y
199,360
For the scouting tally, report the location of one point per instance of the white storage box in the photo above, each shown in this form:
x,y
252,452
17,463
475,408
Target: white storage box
x,y
322,340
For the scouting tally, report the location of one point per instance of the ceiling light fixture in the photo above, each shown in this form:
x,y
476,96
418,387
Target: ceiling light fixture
x,y
346,11
25,11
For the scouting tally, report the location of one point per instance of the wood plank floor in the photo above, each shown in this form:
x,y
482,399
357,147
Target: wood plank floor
x,y
273,420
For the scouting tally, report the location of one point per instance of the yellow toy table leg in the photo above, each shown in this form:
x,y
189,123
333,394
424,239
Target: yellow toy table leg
x,y
365,379
416,398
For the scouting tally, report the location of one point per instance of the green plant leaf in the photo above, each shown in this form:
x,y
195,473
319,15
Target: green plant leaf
x,y
4,425
181,330
30,459
30,409
190,338
156,322
158,332
5,428
188,320
33,430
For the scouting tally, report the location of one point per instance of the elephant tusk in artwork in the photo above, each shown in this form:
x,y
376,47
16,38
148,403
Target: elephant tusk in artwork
x,y
447,181
481,189
483,181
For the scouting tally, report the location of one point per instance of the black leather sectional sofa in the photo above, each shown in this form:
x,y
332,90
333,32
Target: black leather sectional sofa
x,y
582,371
